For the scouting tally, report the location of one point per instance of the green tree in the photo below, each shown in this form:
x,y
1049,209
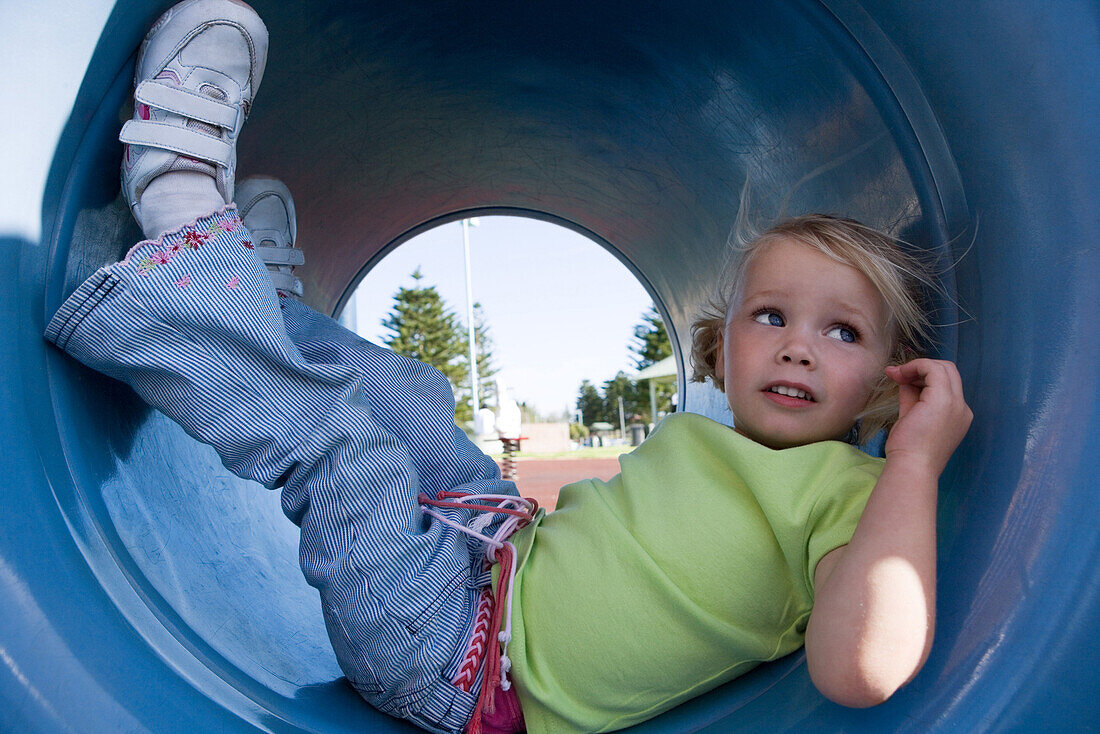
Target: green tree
x,y
622,386
486,367
651,345
423,327
578,431
651,342
486,364
589,403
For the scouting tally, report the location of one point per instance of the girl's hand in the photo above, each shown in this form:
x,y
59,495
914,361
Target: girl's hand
x,y
933,417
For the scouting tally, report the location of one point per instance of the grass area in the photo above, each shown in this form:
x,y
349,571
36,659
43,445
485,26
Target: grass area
x,y
597,452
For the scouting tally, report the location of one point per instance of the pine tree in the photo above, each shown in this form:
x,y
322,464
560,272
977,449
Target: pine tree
x,y
651,345
651,340
589,403
633,400
423,327
486,366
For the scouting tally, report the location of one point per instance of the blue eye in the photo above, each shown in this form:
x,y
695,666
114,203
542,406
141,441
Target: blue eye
x,y
843,333
769,317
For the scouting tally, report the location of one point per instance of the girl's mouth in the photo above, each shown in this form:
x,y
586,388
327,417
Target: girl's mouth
x,y
790,394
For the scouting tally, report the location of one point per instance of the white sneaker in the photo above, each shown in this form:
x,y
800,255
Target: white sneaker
x,y
267,209
196,76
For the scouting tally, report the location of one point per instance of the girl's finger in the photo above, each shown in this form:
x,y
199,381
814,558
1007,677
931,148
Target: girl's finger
x,y
931,381
923,372
905,377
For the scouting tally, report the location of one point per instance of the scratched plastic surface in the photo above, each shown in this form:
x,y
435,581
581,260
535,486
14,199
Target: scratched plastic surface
x,y
143,588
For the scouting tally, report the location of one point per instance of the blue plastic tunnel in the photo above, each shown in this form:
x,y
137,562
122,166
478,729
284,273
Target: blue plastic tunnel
x,y
142,587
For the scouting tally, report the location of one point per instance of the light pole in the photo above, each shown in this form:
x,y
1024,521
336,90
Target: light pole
x,y
466,224
622,419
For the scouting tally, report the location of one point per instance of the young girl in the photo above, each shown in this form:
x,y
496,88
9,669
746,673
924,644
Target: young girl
x,y
713,550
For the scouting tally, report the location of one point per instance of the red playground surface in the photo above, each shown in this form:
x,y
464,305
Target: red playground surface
x,y
542,478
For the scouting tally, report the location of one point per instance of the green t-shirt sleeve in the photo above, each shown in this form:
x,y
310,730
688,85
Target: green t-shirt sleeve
x,y
837,511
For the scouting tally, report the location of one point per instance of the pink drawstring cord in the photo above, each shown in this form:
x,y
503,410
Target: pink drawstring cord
x,y
518,511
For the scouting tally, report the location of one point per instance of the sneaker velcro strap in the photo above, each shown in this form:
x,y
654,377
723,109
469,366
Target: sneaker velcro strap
x,y
186,103
182,140
270,239
286,282
281,255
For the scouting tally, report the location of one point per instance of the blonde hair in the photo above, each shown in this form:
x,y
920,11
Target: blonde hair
x,y
897,275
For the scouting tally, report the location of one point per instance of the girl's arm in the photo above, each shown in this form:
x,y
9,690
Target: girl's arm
x,y
875,599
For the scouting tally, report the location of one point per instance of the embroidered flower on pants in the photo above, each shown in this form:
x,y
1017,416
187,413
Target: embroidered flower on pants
x,y
192,238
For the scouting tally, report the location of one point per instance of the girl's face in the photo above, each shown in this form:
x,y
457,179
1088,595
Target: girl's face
x,y
802,348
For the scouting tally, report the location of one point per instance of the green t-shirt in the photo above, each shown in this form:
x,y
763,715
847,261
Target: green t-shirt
x,y
687,569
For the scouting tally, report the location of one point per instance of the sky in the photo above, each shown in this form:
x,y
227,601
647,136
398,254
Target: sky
x,y
35,85
560,308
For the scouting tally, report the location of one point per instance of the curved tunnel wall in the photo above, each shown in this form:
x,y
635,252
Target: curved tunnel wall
x,y
148,589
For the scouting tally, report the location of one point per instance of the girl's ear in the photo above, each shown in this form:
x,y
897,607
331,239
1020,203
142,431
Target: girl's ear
x,y
719,355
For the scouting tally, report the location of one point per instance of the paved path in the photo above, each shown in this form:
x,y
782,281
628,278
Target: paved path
x,y
542,478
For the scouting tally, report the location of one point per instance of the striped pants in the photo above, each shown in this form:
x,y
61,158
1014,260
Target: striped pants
x,y
349,431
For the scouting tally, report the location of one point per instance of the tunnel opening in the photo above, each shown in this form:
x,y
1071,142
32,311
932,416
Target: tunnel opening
x,y
550,297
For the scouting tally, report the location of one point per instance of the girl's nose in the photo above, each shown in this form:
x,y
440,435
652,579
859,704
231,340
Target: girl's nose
x,y
802,360
797,350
